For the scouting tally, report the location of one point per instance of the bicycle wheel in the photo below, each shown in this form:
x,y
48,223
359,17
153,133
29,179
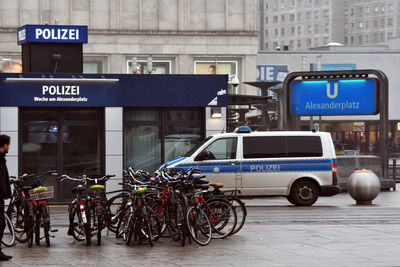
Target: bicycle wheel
x,y
115,205
172,220
123,224
99,228
37,228
222,216
9,233
46,229
88,227
145,225
79,230
154,223
29,231
16,214
199,225
159,209
130,228
241,212
180,223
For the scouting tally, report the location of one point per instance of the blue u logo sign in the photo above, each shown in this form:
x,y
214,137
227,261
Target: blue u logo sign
x,y
335,90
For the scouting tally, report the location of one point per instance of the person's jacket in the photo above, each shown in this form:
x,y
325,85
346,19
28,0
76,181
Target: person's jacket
x,y
5,189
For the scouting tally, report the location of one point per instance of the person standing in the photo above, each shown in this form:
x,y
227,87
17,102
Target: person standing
x,y
5,189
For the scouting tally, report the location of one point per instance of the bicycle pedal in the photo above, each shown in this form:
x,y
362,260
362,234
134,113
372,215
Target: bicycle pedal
x,y
54,231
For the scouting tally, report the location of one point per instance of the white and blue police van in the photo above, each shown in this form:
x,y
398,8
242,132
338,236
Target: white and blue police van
x,y
297,164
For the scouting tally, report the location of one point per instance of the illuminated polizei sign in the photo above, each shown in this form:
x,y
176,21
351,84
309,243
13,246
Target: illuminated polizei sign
x,y
334,97
52,34
60,93
112,90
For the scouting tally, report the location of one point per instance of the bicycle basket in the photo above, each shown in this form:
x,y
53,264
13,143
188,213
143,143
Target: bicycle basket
x,y
44,193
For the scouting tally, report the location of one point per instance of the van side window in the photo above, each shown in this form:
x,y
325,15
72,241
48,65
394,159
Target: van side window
x,y
282,146
304,146
264,147
224,148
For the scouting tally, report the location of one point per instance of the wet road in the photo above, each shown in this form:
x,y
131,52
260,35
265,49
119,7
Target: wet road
x,y
334,232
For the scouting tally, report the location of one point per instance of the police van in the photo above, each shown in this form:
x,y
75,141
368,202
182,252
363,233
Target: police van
x,y
297,164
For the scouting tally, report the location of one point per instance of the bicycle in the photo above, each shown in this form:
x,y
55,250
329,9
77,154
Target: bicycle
x,y
41,211
94,209
136,218
22,208
235,202
78,210
220,212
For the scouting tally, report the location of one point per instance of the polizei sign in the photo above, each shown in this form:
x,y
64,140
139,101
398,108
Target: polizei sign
x,y
334,97
52,34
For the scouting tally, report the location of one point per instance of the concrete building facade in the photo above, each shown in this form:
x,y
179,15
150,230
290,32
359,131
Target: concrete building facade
x,y
300,24
304,24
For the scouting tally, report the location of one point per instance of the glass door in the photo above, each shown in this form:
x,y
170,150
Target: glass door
x,y
68,140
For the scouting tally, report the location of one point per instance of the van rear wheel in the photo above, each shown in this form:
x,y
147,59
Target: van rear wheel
x,y
290,199
304,193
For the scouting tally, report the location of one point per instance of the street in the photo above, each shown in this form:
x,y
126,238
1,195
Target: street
x,y
334,232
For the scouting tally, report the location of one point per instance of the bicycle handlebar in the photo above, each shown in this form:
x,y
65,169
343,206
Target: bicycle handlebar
x,y
84,178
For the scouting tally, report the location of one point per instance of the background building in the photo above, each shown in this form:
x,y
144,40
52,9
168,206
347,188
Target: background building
x,y
304,24
300,24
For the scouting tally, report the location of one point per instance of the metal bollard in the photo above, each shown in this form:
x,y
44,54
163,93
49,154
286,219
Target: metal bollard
x,y
364,186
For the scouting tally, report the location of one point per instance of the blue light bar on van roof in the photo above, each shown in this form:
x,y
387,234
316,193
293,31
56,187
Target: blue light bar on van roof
x,y
243,129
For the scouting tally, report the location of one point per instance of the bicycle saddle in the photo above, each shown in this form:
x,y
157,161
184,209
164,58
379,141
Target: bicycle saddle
x,y
78,189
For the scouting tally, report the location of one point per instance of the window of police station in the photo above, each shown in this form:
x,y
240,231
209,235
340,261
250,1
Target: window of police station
x,y
156,135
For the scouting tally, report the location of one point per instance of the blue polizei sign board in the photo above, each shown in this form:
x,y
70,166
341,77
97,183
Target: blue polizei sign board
x,y
112,90
52,34
334,97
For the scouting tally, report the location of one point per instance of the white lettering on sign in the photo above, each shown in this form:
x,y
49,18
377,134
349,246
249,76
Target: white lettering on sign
x,y
60,90
264,168
310,105
57,34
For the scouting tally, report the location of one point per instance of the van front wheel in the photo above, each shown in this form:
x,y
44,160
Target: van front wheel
x,y
304,193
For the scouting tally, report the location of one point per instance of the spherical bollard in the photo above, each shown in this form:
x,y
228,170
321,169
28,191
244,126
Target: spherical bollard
x,y
364,186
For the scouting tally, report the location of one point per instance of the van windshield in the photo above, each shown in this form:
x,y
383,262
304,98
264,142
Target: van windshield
x,y
194,149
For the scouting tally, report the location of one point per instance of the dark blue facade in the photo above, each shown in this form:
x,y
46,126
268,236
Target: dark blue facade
x,y
112,90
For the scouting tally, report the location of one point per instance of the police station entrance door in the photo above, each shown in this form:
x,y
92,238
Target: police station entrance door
x,y
69,140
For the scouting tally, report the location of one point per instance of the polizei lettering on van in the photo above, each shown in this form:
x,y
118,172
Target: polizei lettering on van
x,y
264,168
57,34
60,89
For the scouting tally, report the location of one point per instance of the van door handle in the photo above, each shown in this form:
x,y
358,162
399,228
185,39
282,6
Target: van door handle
x,y
234,162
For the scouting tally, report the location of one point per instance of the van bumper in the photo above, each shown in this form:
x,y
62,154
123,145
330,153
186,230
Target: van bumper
x,y
329,190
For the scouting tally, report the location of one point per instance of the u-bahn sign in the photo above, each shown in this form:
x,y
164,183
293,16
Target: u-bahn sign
x,y
334,97
348,92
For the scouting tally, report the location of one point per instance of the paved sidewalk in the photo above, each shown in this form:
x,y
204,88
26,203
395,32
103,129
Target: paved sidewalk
x,y
256,245
334,232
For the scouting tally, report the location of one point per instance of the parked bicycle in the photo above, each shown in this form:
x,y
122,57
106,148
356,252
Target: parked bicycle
x,y
28,209
89,212
137,219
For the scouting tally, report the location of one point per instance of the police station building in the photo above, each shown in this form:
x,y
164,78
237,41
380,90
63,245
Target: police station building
x,y
98,124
